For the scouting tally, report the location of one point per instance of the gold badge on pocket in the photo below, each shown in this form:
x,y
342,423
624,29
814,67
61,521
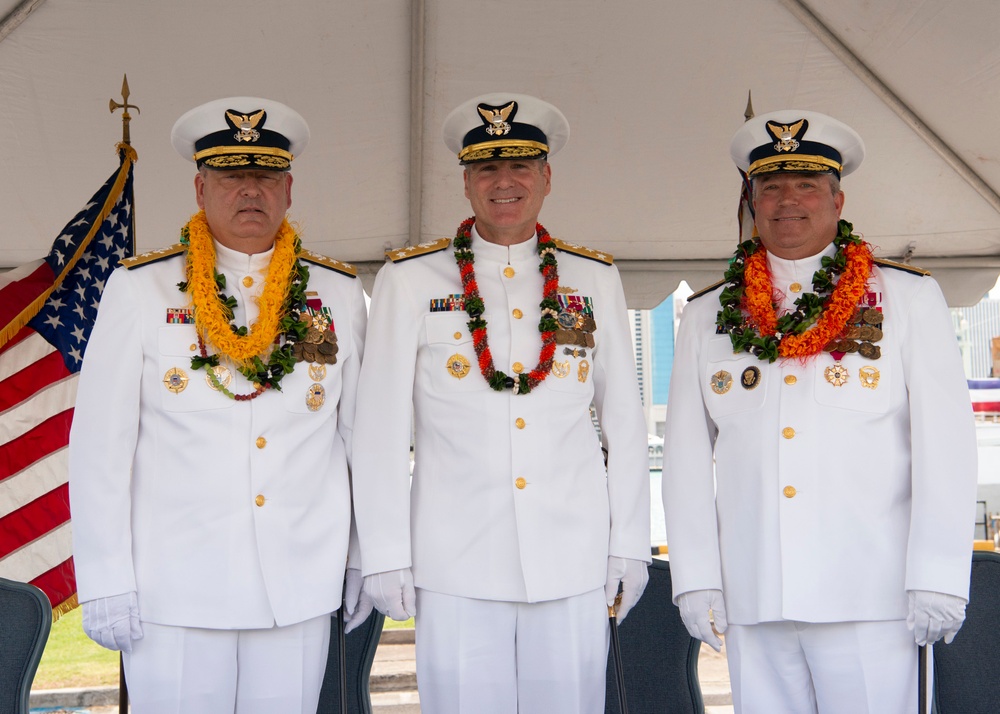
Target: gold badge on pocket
x,y
458,366
721,382
176,380
315,397
869,377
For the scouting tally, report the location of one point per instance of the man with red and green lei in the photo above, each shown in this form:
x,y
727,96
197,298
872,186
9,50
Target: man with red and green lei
x,y
516,533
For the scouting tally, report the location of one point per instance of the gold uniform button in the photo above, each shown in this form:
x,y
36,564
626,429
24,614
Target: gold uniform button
x,y
517,314
520,483
788,432
458,335
791,379
508,272
261,442
247,281
193,347
259,500
789,491
518,367
795,287
519,423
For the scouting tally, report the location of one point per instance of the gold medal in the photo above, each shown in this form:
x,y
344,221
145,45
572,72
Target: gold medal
x,y
176,380
458,366
872,316
315,397
750,378
222,377
583,370
721,382
317,372
836,374
561,369
869,377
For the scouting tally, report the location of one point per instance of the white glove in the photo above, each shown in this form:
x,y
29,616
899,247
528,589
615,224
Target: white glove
x,y
695,606
357,604
934,615
392,593
113,622
633,576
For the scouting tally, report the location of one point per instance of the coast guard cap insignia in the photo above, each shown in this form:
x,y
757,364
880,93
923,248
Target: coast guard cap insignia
x,y
496,118
787,134
245,124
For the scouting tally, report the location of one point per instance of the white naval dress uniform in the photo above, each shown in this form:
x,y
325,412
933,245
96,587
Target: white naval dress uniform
x,y
511,500
829,502
220,514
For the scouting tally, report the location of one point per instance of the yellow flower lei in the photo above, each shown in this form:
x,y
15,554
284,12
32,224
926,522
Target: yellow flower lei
x,y
212,318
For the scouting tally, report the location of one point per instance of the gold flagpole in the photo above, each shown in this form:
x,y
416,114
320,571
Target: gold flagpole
x,y
126,144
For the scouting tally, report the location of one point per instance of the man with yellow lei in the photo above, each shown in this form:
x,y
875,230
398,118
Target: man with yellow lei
x,y
827,385
211,444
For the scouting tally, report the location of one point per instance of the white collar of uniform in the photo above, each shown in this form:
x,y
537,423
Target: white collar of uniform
x,y
801,270
502,253
233,261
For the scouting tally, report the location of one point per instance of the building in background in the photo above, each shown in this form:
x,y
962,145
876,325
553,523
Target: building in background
x,y
653,334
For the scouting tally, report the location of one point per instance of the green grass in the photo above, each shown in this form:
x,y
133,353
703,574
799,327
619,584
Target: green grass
x,y
394,625
72,660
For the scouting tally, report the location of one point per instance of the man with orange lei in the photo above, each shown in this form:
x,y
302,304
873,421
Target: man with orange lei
x,y
819,473
210,450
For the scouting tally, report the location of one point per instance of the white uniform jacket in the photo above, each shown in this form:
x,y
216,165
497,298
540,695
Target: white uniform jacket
x,y
830,501
220,514
510,499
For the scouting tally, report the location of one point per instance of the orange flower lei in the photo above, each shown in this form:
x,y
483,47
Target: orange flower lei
x,y
820,316
212,317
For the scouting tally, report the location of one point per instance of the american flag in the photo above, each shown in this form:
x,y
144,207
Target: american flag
x,y
985,395
47,311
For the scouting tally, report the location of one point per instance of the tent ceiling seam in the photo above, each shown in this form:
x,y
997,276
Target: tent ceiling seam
x,y
882,91
16,16
417,46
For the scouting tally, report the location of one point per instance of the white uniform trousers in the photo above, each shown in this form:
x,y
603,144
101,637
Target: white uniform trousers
x,y
497,657
826,668
187,670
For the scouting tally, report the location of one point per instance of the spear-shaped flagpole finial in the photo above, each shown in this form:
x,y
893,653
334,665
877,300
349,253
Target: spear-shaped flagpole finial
x,y
748,112
126,117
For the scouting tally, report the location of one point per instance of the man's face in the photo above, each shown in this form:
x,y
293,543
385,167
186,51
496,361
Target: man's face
x,y
796,213
244,208
507,196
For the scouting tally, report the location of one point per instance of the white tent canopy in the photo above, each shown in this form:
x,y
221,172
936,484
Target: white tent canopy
x,y
653,90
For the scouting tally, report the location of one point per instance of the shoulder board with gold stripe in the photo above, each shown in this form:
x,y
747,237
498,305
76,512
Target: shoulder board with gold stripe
x,y
415,251
901,266
152,256
343,268
706,290
598,255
